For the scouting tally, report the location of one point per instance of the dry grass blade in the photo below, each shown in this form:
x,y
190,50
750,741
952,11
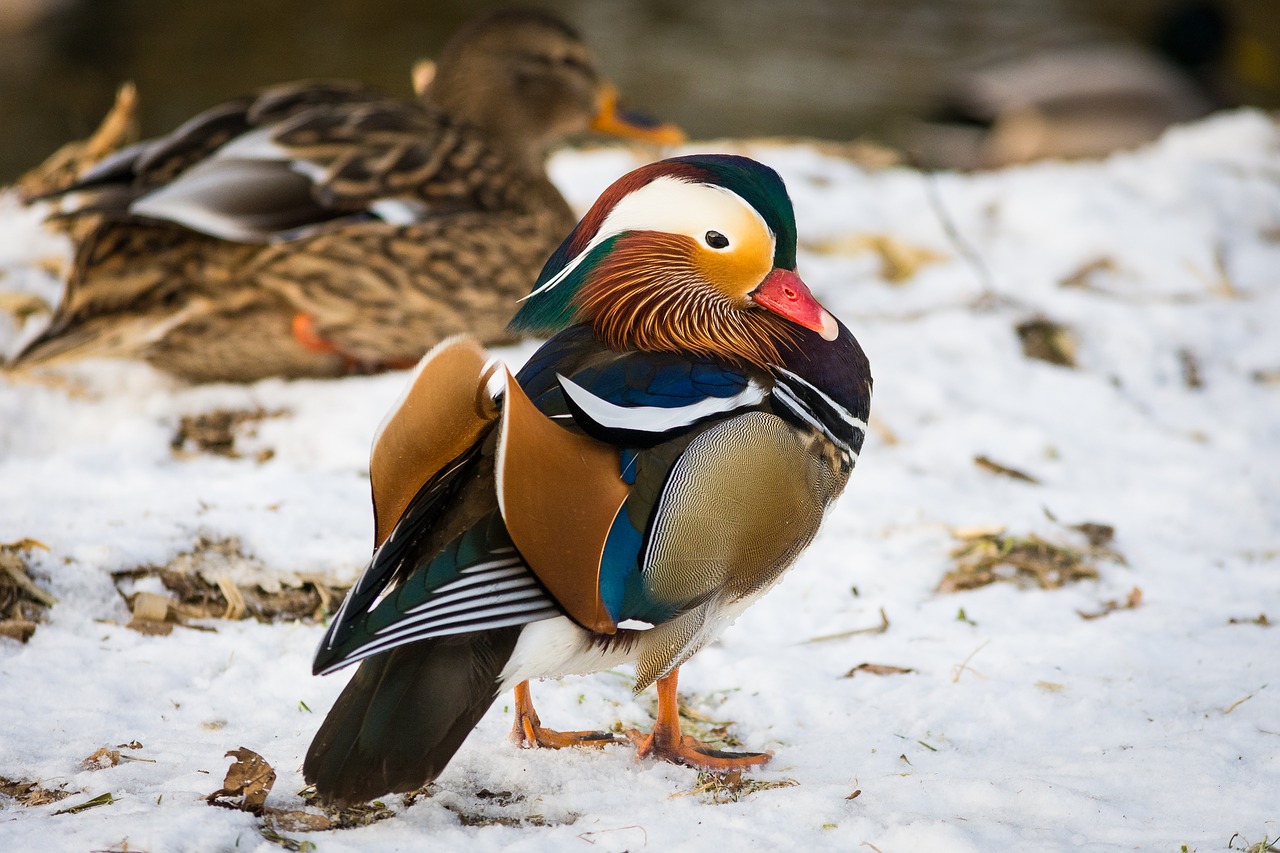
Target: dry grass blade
x,y
986,464
100,800
874,629
721,788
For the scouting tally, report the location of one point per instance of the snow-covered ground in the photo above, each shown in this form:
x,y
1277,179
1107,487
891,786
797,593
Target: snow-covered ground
x,y
1021,725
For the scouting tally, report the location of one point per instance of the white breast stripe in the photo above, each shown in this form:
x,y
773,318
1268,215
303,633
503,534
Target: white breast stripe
x,y
655,418
788,398
844,413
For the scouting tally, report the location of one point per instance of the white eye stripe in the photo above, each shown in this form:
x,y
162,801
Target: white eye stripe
x,y
676,206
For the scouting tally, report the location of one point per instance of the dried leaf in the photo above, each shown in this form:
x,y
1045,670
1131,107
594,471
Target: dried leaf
x,y
988,558
1046,340
249,777
1099,535
30,793
877,669
1131,602
216,580
101,759
215,432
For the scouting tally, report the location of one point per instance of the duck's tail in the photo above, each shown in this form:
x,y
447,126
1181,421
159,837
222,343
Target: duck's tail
x,y
404,714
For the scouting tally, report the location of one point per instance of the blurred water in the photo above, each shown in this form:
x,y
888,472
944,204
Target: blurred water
x,y
718,67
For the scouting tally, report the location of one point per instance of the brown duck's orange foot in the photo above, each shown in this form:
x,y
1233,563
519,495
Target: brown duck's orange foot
x,y
528,731
304,332
691,752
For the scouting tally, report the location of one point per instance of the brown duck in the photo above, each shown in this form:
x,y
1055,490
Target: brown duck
x,y
320,228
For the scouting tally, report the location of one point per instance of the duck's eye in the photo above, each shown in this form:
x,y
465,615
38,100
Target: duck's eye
x,y
716,240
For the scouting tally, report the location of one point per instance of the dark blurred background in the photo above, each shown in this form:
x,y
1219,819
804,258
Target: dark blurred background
x,y
823,68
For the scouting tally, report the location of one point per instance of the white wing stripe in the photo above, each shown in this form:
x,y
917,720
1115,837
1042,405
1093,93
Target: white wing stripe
x,y
655,418
383,645
476,603
431,627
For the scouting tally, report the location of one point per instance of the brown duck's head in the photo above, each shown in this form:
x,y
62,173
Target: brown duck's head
x,y
527,78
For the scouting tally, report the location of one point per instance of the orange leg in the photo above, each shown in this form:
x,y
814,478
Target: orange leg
x,y
528,731
666,742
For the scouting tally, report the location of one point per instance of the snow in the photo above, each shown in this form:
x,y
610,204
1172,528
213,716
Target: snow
x,y
1021,726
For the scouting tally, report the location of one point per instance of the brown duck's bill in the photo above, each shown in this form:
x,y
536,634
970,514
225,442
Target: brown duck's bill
x,y
632,125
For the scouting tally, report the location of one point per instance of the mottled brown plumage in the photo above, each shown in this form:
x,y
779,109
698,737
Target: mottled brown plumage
x,y
320,228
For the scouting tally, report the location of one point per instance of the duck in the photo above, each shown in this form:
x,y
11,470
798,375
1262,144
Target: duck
x,y
554,522
321,228
1085,97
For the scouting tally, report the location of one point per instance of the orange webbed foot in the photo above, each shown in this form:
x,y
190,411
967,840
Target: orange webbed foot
x,y
528,732
666,741
691,752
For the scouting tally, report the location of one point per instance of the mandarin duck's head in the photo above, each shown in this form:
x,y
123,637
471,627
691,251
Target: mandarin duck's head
x,y
692,254
529,80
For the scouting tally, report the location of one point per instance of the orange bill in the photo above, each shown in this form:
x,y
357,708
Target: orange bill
x,y
631,125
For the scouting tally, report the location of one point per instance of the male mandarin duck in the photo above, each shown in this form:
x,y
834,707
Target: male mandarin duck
x,y
557,522
318,228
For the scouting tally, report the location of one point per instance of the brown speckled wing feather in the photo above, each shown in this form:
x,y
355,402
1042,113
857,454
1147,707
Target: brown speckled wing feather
x,y
378,292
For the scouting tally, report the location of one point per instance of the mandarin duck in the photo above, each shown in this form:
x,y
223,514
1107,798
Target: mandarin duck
x,y
557,522
320,228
